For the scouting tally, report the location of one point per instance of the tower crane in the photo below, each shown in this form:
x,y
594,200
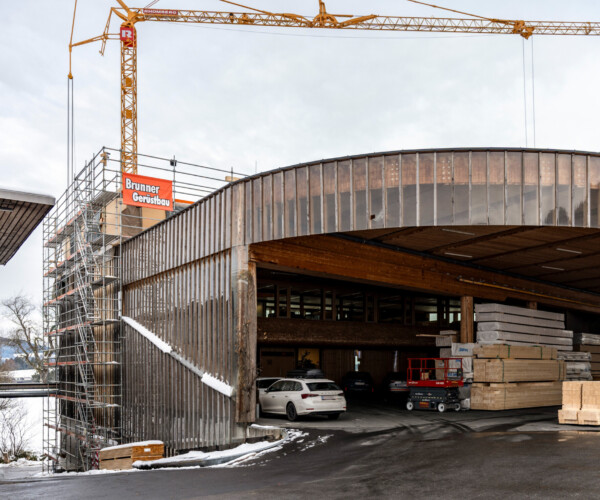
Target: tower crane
x,y
130,17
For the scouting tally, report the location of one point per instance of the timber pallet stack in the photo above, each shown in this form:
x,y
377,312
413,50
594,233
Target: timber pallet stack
x,y
501,324
509,377
123,456
589,342
581,403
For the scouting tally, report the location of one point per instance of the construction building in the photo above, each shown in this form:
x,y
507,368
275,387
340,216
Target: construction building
x,y
161,326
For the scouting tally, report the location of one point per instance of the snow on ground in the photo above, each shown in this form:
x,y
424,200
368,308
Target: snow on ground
x,y
34,420
194,456
22,375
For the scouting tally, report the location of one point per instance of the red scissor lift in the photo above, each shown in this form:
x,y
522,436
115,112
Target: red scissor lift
x,y
434,383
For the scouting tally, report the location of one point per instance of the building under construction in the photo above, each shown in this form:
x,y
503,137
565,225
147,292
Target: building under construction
x,y
159,325
83,238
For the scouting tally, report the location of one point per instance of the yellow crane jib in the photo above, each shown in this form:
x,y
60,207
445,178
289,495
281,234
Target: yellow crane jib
x,y
129,17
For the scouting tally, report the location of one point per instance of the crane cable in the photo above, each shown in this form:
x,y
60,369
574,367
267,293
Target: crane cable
x,y
525,92
533,90
70,111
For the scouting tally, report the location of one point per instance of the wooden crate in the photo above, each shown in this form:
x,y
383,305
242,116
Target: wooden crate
x,y
508,396
515,352
517,370
123,456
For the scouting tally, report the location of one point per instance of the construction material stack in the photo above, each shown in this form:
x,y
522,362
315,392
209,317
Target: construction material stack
x,y
578,364
509,377
589,343
501,324
581,403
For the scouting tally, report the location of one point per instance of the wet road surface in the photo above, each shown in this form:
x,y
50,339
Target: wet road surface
x,y
436,457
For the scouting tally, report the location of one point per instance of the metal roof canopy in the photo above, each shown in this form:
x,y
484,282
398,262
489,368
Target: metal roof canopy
x,y
20,214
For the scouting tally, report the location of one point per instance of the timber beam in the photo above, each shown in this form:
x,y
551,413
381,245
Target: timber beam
x,y
339,258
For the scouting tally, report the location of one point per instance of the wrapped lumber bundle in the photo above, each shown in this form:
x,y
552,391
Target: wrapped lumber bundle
x,y
501,324
581,403
494,396
578,365
518,370
446,338
589,342
463,351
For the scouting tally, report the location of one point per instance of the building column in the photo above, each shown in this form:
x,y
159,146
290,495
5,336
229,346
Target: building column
x,y
243,276
466,319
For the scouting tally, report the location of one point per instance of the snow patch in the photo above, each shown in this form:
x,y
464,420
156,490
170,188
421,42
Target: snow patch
x,y
142,330
217,385
137,443
194,456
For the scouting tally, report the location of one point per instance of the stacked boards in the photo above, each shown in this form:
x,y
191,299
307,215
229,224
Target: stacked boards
x,y
501,324
581,403
509,377
589,343
578,364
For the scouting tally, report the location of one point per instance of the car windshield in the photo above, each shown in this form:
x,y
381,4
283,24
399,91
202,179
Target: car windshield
x,y
263,384
322,386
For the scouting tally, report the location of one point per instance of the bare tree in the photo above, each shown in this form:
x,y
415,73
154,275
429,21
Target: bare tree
x,y
13,430
25,335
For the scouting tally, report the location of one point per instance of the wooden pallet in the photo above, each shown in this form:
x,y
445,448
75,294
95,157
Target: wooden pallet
x,y
123,456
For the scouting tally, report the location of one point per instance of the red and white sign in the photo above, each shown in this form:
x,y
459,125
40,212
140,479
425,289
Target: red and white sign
x,y
150,192
128,36
160,12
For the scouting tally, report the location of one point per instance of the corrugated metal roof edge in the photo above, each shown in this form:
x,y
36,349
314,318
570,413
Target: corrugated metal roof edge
x,y
364,155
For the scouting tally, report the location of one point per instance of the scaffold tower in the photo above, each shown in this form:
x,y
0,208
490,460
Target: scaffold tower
x,y
82,300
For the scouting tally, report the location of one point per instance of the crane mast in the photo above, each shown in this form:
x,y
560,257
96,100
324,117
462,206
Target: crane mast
x,y
323,20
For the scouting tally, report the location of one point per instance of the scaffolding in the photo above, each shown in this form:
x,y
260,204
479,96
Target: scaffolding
x,y
82,299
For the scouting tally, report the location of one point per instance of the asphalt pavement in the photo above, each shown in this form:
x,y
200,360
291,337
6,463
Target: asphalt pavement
x,y
492,455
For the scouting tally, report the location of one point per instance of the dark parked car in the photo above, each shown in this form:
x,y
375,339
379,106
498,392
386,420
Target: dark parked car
x,y
305,373
358,383
263,383
394,387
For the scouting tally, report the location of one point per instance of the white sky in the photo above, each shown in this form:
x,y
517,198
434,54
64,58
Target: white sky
x,y
230,96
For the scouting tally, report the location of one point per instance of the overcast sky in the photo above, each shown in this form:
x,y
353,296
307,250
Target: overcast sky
x,y
262,98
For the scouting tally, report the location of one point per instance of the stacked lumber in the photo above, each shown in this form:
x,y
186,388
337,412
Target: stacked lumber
x,y
123,456
589,342
501,324
517,395
578,365
518,370
509,377
446,338
581,403
463,351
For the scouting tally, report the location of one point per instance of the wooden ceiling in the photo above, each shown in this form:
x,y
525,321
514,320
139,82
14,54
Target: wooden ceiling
x,y
559,255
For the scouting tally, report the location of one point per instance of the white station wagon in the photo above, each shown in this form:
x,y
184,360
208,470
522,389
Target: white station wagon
x,y
294,397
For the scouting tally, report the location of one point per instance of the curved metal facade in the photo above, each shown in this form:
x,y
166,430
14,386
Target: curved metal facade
x,y
188,279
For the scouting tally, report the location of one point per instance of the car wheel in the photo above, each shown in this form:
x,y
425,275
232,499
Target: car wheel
x,y
260,411
441,407
333,416
457,407
291,413
410,406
